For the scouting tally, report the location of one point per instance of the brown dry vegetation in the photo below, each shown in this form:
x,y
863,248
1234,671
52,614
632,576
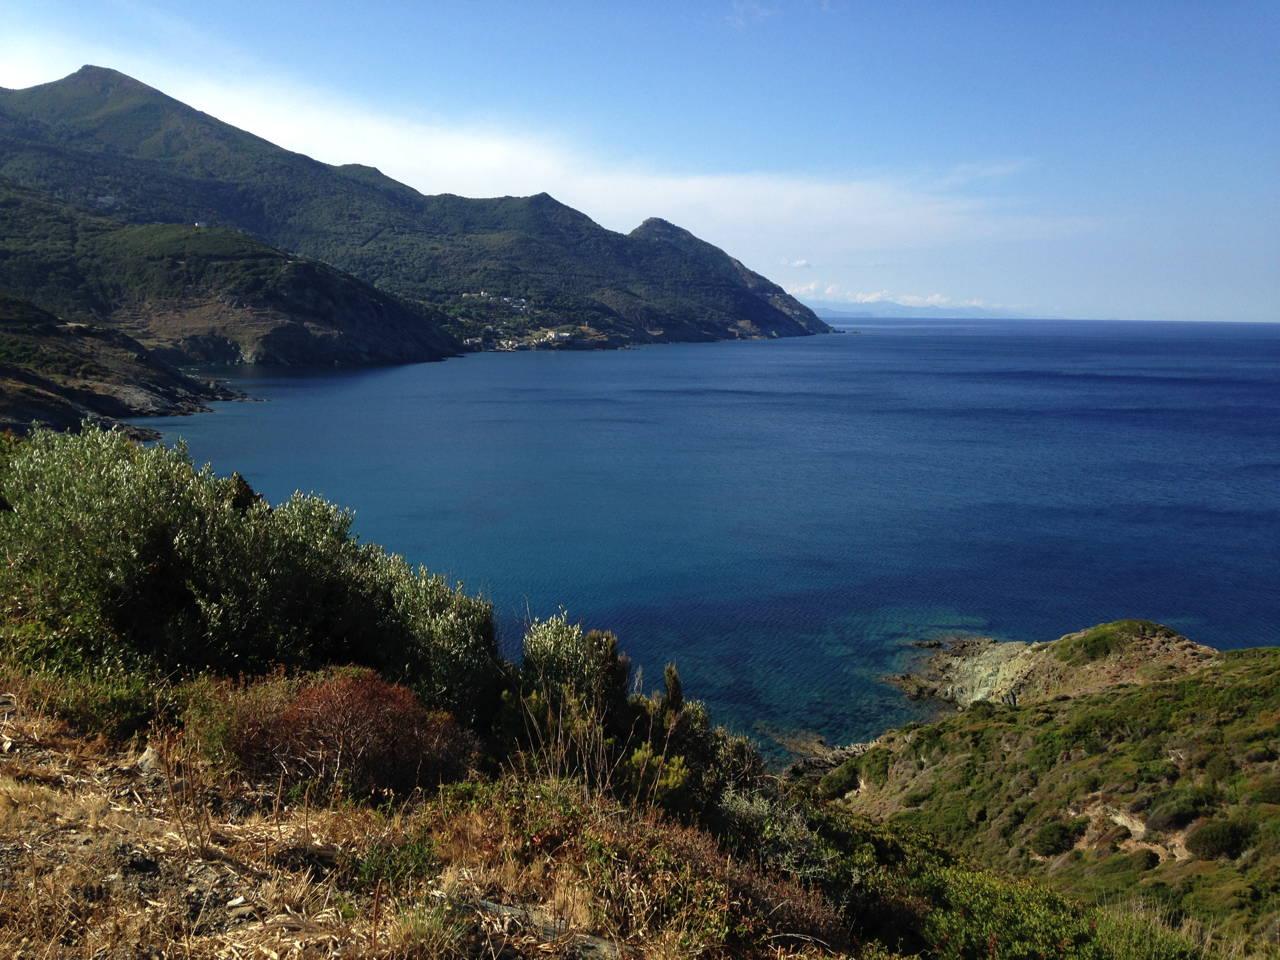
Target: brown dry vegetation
x,y
113,850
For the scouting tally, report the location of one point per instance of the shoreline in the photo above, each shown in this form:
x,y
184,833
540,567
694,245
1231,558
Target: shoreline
x,y
954,673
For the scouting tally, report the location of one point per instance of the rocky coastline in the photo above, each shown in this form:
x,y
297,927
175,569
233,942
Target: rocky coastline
x,y
956,672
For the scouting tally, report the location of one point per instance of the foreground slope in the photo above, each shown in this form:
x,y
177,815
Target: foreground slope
x,y
110,144
1134,763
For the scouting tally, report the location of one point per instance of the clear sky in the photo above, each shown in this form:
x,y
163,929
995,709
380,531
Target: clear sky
x,y
1068,159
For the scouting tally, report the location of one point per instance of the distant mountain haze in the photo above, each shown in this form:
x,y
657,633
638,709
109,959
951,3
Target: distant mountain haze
x,y
504,272
849,310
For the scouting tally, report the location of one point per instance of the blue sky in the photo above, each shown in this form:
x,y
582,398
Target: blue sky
x,y
1056,159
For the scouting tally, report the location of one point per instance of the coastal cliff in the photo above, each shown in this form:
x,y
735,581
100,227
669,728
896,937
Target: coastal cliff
x,y
58,374
194,294
501,272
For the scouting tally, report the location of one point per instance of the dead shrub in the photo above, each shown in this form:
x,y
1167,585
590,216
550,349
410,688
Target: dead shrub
x,y
347,730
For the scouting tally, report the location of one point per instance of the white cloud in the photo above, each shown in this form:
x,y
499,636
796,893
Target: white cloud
x,y
924,300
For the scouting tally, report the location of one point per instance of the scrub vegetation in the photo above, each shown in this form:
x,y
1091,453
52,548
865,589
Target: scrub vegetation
x,y
1166,790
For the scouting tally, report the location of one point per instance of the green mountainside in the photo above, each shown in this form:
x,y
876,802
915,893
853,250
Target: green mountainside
x,y
1162,784
203,294
60,373
510,270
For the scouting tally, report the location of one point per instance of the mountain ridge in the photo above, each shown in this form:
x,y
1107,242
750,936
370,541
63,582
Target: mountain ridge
x,y
110,144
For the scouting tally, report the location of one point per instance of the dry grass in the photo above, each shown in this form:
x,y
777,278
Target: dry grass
x,y
121,851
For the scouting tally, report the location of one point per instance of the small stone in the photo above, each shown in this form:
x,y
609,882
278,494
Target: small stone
x,y
149,762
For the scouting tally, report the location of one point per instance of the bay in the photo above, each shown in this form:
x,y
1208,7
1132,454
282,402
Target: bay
x,y
782,518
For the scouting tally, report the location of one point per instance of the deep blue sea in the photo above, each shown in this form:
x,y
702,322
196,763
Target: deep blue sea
x,y
782,518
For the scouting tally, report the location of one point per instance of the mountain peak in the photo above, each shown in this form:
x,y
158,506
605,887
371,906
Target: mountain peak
x,y
545,201
101,79
655,228
82,94
93,70
657,224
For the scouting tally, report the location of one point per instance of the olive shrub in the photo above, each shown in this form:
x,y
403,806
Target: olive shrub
x,y
118,553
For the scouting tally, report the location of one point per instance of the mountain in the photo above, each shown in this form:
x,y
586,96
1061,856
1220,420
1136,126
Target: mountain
x,y
507,270
60,373
1115,762
203,294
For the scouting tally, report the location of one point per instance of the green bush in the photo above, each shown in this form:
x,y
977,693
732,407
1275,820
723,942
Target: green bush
x,y
572,716
838,782
870,767
649,777
563,661
395,864
1056,837
1178,807
874,765
913,798
1219,839
120,553
979,915
1106,639
1136,932
1268,790
1219,766
1144,859
106,699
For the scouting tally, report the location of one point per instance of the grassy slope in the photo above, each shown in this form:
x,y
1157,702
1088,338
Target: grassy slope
x,y
1102,795
107,142
58,374
203,294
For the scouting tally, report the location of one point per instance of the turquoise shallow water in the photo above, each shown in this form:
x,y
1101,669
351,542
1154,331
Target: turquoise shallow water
x,y
782,518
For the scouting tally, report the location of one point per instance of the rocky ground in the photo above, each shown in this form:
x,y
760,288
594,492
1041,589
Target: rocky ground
x,y
60,374
115,852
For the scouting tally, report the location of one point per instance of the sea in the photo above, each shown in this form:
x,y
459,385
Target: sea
x,y
788,520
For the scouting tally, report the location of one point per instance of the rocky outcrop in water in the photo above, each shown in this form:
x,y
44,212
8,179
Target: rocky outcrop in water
x,y
972,669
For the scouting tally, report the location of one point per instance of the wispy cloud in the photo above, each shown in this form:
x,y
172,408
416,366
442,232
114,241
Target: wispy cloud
x,y
743,13
966,174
